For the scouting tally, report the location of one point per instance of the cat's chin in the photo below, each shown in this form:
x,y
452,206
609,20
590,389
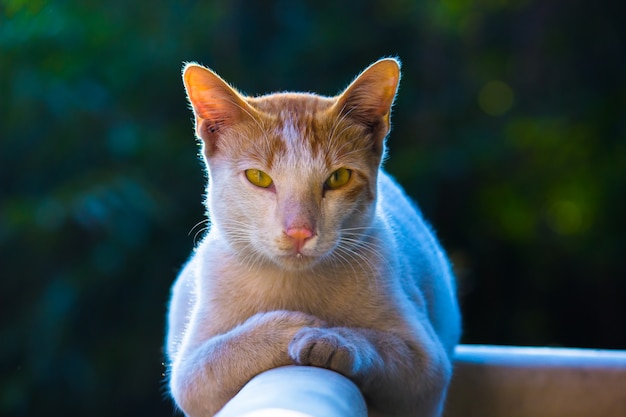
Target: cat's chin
x,y
297,262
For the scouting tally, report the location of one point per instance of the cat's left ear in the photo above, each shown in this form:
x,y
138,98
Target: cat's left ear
x,y
369,98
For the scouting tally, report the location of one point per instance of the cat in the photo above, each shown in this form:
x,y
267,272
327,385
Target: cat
x,y
314,255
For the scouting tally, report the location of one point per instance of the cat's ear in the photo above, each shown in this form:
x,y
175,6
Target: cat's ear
x,y
369,98
216,105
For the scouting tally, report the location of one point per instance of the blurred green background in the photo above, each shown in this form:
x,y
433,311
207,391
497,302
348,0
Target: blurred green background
x,y
509,129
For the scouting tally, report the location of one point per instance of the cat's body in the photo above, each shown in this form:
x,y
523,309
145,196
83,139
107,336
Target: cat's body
x,y
314,255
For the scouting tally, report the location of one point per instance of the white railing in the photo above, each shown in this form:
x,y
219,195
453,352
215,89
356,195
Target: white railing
x,y
498,381
489,381
297,391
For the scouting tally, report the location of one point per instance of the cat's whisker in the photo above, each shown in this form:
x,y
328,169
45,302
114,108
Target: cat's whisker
x,y
239,234
334,137
338,255
354,229
200,231
252,259
361,250
371,248
202,226
340,263
338,135
346,154
344,116
353,248
200,223
352,259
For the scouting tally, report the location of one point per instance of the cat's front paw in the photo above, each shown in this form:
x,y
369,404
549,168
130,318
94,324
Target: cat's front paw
x,y
324,348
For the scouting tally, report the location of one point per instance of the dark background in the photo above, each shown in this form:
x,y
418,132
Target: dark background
x,y
509,130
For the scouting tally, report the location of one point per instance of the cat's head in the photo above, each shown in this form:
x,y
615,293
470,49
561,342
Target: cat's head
x,y
292,176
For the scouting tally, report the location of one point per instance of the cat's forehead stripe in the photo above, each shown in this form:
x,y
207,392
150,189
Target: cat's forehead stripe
x,y
301,136
289,133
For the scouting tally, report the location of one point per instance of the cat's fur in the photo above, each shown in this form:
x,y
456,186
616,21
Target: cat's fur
x,y
351,279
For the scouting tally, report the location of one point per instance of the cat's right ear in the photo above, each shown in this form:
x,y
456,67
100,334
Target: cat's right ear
x,y
216,106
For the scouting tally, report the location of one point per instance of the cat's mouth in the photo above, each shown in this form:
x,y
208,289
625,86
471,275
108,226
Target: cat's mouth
x,y
300,255
298,261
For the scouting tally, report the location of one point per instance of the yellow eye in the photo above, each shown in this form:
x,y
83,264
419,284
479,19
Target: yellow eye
x,y
338,179
258,178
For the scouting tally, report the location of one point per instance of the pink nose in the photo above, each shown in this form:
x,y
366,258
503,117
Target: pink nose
x,y
299,235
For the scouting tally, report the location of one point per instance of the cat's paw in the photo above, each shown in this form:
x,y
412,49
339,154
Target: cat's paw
x,y
324,348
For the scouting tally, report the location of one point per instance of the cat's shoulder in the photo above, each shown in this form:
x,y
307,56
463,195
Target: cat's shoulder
x,y
391,195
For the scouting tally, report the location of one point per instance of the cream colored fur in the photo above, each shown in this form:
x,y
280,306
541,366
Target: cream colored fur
x,y
369,294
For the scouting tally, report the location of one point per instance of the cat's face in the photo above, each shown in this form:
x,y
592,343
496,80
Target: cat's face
x,y
293,176
294,186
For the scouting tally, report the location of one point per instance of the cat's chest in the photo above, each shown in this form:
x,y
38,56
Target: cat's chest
x,y
338,299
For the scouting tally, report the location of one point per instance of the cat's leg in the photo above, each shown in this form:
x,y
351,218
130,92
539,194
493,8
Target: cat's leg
x,y
398,376
206,374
